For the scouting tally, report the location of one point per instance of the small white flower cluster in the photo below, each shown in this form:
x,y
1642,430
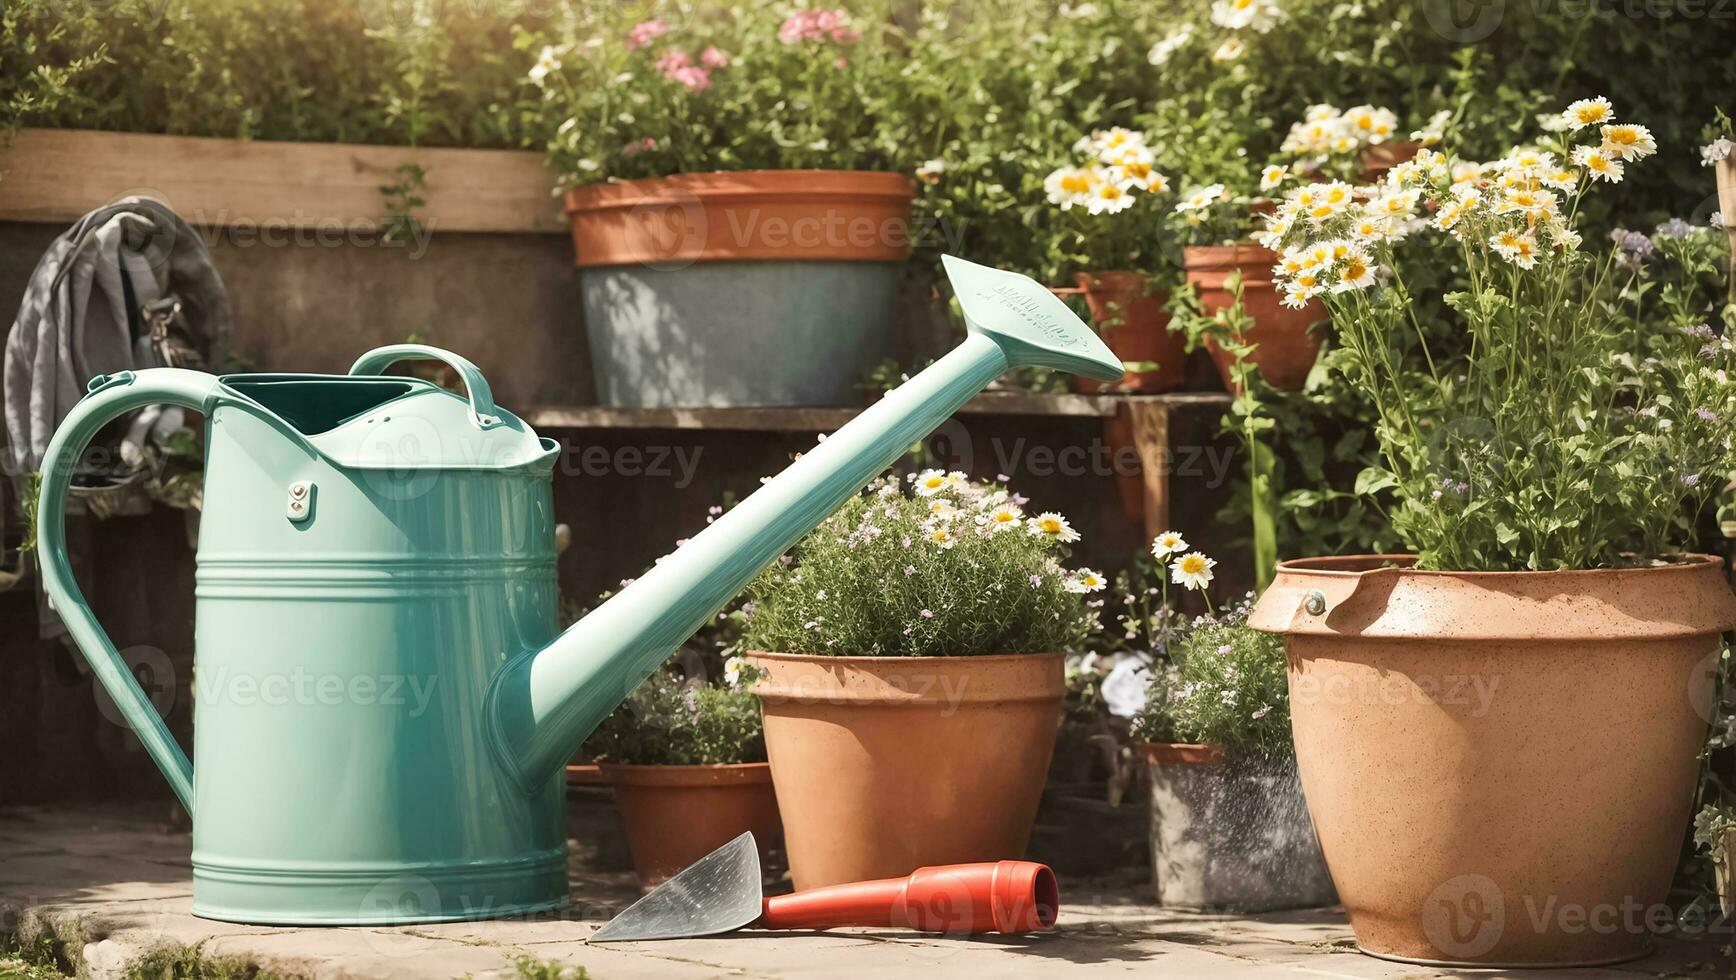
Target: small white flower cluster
x,y
958,506
1328,233
1117,166
1259,16
1717,151
1326,132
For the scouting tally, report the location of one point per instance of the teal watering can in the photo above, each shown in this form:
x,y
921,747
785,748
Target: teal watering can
x,y
383,707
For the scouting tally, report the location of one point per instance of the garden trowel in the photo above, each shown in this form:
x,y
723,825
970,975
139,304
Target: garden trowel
x,y
721,893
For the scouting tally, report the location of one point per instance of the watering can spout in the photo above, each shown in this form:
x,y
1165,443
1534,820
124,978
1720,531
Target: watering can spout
x,y
544,704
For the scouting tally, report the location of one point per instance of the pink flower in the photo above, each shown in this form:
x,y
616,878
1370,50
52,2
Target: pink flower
x,y
633,149
818,25
643,33
669,62
696,79
841,62
713,58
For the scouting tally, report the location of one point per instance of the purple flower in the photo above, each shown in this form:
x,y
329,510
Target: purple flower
x,y
1690,479
1706,414
1674,228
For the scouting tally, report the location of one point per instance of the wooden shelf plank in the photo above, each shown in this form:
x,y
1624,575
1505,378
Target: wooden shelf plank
x,y
55,175
781,419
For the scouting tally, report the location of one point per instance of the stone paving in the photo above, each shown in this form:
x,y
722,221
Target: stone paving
x,y
109,887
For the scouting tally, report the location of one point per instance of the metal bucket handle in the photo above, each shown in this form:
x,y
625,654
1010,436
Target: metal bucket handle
x,y
483,414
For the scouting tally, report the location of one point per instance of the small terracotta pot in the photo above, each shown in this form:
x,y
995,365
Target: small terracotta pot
x,y
801,215
1500,765
1134,324
887,764
1288,347
675,815
1382,157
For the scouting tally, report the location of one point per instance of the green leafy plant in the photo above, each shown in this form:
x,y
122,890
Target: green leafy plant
x,y
954,568
1227,689
672,720
1585,427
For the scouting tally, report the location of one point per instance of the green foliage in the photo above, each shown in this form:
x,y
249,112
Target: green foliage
x,y
398,72
528,967
670,720
1227,688
956,570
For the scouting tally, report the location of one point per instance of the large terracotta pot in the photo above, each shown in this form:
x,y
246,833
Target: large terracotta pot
x,y
1288,347
675,815
1500,766
1230,833
1134,324
887,764
763,287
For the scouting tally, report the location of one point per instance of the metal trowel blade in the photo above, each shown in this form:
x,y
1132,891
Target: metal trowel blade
x,y
718,893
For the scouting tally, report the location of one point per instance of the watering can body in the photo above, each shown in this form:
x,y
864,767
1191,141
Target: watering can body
x,y
382,702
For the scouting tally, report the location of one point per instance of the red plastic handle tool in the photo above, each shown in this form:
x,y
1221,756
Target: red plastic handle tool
x,y
1009,896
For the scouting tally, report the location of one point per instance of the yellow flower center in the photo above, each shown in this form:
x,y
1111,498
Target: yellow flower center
x,y
1193,565
1049,525
1005,517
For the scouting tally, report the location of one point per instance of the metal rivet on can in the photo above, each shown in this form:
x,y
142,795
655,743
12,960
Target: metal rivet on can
x,y
300,504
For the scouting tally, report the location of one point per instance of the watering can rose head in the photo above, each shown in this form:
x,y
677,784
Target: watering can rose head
x,y
936,564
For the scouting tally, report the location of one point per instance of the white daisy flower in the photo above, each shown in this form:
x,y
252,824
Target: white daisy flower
x,y
1166,544
1110,197
1203,198
1069,186
547,61
1519,248
1588,112
1230,50
1192,570
930,482
1627,141
1053,526
1599,164
1085,580
1272,176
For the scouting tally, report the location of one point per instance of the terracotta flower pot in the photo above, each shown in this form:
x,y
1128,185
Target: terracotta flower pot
x,y
675,815
1500,765
1230,833
1135,325
887,764
1288,347
739,289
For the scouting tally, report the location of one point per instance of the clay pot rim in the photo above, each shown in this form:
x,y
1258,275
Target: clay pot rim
x,y
1325,566
1183,753
700,774
1237,255
887,661
1376,598
888,681
873,187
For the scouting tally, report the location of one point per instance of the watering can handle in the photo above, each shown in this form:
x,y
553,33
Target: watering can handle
x,y
109,398
482,411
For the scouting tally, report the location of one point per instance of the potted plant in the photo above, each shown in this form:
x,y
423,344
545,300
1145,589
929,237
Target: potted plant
x,y
1499,731
912,653
740,226
1111,196
687,762
1227,273
1229,829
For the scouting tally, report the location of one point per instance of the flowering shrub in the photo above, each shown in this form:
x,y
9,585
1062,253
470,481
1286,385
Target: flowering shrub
x,y
952,568
1589,420
1227,689
669,720
701,87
